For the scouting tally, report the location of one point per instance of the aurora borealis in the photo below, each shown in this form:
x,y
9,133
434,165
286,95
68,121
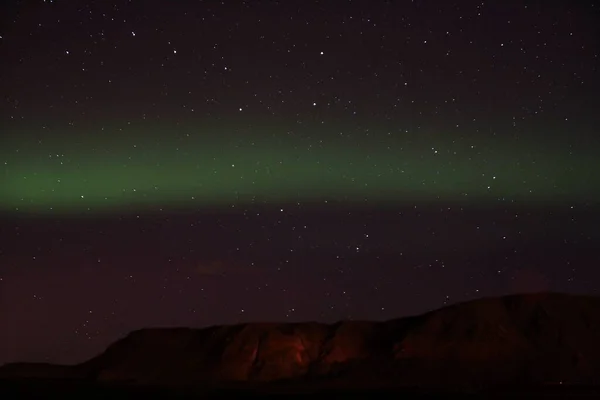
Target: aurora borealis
x,y
188,170
190,164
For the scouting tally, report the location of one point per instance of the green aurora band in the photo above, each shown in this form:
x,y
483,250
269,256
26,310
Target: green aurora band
x,y
98,172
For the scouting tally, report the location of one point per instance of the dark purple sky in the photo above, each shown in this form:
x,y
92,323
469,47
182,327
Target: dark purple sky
x,y
189,164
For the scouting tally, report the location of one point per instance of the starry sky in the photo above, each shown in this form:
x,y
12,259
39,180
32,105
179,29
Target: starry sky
x,y
199,163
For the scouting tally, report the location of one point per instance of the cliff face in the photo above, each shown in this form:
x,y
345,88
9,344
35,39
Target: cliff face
x,y
527,339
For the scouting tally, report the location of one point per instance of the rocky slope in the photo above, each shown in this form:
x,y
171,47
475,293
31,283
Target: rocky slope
x,y
513,340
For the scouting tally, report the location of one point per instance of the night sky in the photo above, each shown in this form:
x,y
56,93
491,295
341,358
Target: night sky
x,y
184,163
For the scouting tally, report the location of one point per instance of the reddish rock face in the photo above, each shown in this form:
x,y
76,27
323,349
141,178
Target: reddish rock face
x,y
268,352
531,339
351,341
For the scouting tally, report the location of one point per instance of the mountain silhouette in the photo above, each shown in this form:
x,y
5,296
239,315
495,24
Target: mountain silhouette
x,y
517,340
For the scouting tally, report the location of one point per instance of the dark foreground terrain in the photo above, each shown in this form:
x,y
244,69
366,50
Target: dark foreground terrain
x,y
541,345
54,389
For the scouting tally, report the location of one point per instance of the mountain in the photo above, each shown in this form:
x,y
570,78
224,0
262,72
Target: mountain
x,y
517,340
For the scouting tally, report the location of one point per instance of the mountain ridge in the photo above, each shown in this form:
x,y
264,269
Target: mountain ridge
x,y
527,339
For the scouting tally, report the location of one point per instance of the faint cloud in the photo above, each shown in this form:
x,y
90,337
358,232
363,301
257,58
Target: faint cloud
x,y
224,268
